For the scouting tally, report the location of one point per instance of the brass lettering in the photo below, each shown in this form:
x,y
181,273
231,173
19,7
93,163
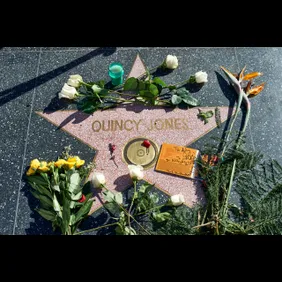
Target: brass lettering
x,y
99,126
128,129
177,124
159,121
117,124
137,123
152,127
109,126
169,123
185,127
158,124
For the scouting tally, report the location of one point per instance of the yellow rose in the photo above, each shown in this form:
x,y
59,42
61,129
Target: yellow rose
x,y
43,167
34,164
77,160
60,162
69,165
50,164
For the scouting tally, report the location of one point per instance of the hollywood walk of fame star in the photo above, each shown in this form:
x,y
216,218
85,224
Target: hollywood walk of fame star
x,y
95,131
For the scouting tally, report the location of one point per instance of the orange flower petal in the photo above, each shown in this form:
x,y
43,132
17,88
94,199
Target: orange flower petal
x,y
252,75
242,73
247,88
226,70
256,90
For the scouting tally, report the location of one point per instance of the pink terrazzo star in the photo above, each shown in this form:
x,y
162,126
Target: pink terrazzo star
x,y
137,122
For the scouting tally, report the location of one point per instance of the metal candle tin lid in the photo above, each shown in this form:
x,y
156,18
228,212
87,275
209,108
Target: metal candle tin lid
x,y
135,153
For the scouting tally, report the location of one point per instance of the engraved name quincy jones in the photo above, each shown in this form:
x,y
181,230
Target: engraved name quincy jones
x,y
131,124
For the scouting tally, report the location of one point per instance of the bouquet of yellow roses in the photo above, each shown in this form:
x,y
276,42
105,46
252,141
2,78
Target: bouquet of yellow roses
x,y
59,186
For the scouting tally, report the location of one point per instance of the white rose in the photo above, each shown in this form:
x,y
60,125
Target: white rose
x,y
96,88
67,92
201,76
171,62
98,179
136,172
74,80
177,200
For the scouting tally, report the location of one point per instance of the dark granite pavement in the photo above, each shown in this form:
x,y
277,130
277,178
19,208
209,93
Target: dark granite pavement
x,y
31,77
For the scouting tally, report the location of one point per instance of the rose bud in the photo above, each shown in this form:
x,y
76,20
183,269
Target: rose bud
x,y
82,199
146,143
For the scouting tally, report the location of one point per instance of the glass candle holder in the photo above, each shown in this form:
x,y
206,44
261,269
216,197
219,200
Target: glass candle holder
x,y
116,73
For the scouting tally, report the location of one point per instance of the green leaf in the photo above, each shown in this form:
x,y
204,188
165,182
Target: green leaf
x,y
119,230
145,187
182,92
154,197
191,101
161,217
86,189
48,202
205,115
83,211
49,215
57,206
171,87
73,204
62,185
42,190
103,92
56,188
148,73
100,83
118,198
109,196
56,175
192,79
154,89
46,178
141,85
175,100
76,197
66,214
129,231
130,84
113,208
157,80
37,179
74,186
146,94
209,114
72,219
87,107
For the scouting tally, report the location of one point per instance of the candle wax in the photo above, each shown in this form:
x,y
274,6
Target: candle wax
x,y
116,69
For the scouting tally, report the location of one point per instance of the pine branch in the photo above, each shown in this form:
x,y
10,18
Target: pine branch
x,y
181,222
261,191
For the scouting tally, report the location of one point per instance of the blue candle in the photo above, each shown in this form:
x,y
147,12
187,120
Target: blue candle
x,y
116,73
